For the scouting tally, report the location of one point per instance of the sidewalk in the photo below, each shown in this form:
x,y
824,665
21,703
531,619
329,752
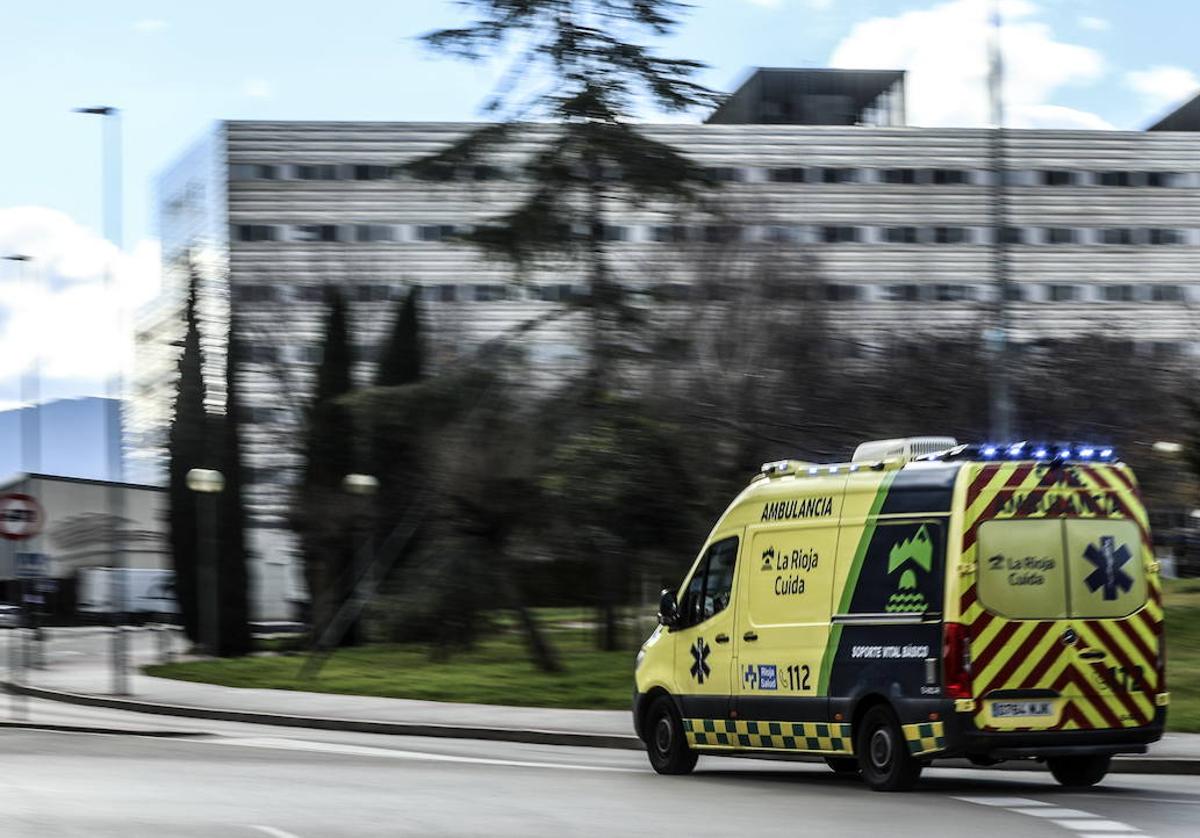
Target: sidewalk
x,y
78,671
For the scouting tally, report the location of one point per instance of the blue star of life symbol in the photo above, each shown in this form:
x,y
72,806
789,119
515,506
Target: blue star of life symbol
x,y
750,676
700,652
1108,559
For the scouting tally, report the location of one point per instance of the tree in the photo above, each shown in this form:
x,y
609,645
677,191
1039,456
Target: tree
x,y
402,361
328,549
186,450
594,157
234,638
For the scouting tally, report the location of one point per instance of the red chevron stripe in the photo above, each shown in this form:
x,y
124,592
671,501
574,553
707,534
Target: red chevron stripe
x,y
981,623
1072,675
1122,507
1018,657
967,599
1116,651
1002,637
1121,695
1071,713
1001,497
981,480
1043,666
1138,643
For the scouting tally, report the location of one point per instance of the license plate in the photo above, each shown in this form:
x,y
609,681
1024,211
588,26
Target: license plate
x,y
1021,709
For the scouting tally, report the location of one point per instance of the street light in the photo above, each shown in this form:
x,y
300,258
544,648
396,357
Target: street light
x,y
1163,446
362,486
110,165
207,483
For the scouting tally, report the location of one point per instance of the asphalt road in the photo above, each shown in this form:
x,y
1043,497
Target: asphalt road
x,y
245,780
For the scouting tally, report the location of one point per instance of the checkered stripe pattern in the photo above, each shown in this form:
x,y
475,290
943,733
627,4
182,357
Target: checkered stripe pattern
x,y
925,738
816,737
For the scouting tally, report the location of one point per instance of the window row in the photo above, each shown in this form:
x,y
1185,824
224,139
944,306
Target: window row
x,y
735,233
903,176
1142,292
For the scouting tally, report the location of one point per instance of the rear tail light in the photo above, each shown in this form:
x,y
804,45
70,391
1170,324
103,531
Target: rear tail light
x,y
956,661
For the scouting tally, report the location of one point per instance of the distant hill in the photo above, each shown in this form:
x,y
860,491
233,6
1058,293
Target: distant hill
x,y
74,438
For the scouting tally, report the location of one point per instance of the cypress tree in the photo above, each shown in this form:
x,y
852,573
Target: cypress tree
x,y
185,451
235,638
402,361
329,457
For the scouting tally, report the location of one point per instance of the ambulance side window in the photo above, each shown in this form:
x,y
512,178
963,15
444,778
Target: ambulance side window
x,y
711,587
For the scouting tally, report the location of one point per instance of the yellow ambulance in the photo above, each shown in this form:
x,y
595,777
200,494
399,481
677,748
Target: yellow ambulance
x,y
926,600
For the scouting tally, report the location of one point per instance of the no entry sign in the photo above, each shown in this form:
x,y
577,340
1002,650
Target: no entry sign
x,y
20,516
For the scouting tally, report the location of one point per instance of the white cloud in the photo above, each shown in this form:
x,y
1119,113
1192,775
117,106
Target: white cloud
x,y
1095,24
150,25
945,50
59,306
258,89
1163,85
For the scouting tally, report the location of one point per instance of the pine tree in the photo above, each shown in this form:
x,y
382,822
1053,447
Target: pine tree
x,y
185,451
329,456
234,583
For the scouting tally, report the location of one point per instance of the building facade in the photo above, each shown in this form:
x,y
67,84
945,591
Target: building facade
x,y
1102,231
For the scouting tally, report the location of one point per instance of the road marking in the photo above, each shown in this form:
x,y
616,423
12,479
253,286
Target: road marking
x,y
389,753
273,832
1007,802
1094,824
1054,812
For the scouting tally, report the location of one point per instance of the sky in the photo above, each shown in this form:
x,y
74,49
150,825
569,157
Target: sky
x,y
175,68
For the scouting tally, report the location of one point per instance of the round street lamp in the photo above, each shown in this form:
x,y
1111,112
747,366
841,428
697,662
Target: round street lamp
x,y
360,484
206,480
1167,447
207,483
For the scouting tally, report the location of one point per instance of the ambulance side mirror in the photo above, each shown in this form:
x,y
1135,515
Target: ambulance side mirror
x,y
668,609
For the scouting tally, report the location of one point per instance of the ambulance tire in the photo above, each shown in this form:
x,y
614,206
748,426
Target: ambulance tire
x,y
883,755
665,743
843,766
1079,772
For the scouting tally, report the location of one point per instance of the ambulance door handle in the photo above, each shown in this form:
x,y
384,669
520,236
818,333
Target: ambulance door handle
x,y
749,636
1096,655
722,638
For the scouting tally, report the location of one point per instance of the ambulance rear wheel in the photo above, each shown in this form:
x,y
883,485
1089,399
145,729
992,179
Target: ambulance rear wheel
x,y
844,766
665,742
1079,772
883,753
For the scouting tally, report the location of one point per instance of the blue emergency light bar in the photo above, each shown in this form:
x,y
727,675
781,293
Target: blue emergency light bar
x,y
1026,450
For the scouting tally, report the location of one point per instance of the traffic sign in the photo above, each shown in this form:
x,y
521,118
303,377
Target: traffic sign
x,y
30,565
21,516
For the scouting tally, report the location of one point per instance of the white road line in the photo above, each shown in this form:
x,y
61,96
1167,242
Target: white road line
x,y
1054,812
390,753
1007,802
1097,825
273,832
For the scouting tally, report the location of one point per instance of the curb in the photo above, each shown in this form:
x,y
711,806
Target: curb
x,y
106,731
1121,765
494,734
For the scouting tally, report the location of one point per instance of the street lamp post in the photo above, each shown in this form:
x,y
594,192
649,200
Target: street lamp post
x,y
110,162
207,484
362,486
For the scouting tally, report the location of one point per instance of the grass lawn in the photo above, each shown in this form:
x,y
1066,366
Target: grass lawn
x,y
498,672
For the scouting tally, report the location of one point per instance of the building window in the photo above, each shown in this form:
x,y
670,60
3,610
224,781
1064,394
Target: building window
x,y
370,171
839,175
905,293
1063,293
249,293
900,176
436,232
949,235
1118,293
839,234
1159,235
1057,177
1166,293
1115,179
1011,235
792,174
309,293
1014,293
949,293
1162,179
840,293
611,233
253,171
1117,235
949,177
488,293
1060,235
259,353
670,233
316,171
721,233
374,233
901,235
315,233
255,233
782,235
723,174
443,293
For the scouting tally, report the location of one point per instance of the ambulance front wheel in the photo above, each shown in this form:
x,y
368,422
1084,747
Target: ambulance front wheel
x,y
883,755
1079,772
665,741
